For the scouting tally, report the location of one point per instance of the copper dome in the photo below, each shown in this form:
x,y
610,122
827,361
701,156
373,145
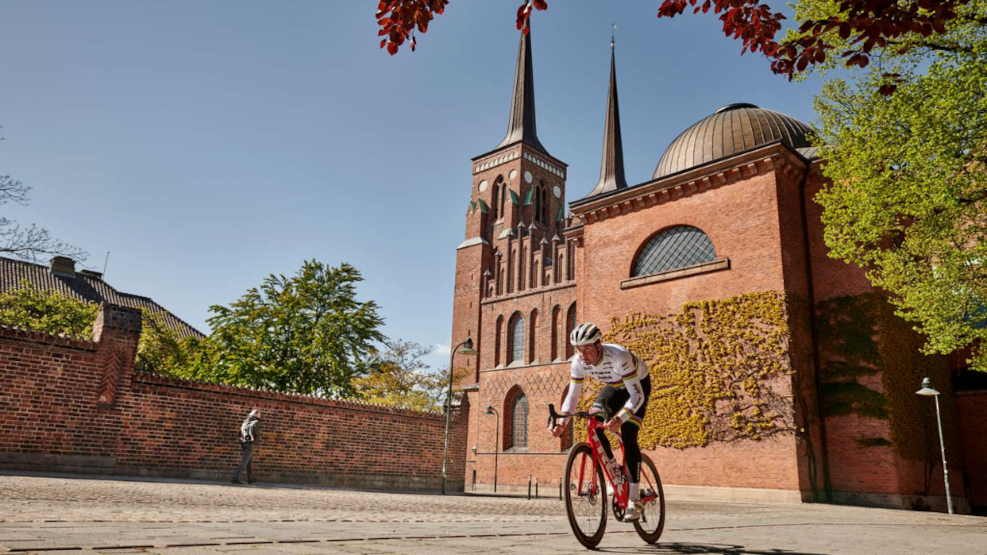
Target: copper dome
x,y
731,129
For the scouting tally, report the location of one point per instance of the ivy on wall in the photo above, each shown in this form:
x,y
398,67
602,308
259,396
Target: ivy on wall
x,y
715,366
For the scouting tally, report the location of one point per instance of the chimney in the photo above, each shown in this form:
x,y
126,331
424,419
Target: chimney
x,y
62,266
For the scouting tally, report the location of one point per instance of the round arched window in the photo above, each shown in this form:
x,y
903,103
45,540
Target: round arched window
x,y
676,247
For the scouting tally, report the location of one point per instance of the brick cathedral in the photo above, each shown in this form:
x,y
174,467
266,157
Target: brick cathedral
x,y
778,373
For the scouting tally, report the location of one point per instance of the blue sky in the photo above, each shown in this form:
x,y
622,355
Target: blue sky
x,y
209,144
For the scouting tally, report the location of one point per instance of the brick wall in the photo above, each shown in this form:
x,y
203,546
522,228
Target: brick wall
x,y
78,406
972,408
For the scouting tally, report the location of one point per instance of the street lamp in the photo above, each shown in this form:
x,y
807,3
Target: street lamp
x,y
490,410
927,391
467,350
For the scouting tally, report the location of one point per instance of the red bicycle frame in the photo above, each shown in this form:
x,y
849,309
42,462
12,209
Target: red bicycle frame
x,y
620,492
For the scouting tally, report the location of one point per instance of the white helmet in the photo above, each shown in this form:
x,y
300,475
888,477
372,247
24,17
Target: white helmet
x,y
585,334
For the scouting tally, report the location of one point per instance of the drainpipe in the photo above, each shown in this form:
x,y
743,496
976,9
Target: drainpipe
x,y
824,455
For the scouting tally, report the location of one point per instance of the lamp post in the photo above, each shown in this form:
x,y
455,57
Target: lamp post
x,y
467,350
490,410
927,391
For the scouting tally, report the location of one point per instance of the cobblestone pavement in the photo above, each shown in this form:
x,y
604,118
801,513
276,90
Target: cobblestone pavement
x,y
169,517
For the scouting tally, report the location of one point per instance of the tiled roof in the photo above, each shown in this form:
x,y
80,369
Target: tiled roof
x,y
84,287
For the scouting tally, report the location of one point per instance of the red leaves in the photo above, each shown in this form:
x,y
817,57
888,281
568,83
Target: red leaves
x,y
399,19
867,23
747,20
524,13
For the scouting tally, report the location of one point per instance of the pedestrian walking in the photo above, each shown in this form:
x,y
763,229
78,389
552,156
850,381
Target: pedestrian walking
x,y
249,433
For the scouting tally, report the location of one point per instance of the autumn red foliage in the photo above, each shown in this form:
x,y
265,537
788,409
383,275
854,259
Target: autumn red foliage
x,y
871,23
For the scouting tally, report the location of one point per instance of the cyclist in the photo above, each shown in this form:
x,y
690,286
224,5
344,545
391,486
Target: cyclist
x,y
625,397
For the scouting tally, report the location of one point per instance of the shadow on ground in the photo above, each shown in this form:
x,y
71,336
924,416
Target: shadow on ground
x,y
701,548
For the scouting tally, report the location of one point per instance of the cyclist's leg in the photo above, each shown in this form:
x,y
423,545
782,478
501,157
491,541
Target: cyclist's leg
x,y
608,398
632,451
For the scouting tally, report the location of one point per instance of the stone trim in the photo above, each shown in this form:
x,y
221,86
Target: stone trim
x,y
522,366
704,268
736,495
773,156
526,292
473,241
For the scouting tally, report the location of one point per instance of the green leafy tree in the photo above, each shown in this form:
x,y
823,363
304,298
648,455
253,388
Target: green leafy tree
x,y
304,334
909,170
47,311
162,351
400,378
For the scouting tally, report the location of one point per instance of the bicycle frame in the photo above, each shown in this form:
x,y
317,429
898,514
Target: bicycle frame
x,y
620,491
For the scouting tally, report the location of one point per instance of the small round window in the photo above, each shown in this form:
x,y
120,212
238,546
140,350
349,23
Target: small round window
x,y
676,247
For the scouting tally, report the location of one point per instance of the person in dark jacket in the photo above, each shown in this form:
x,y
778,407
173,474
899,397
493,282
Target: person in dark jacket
x,y
249,434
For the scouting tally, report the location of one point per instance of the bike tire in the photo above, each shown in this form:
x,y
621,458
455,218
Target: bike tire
x,y
652,532
581,455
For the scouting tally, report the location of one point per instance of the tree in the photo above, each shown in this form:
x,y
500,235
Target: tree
x,y
47,311
851,29
304,334
27,243
162,351
908,199
400,378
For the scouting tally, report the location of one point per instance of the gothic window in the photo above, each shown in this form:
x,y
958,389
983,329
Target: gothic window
x,y
676,247
544,206
517,340
537,195
503,196
532,350
519,422
497,340
493,209
520,269
556,323
570,324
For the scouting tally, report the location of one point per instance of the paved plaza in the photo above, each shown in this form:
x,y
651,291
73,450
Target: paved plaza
x,y
41,514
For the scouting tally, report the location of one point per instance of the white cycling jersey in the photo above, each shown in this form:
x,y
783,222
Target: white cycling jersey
x,y
617,367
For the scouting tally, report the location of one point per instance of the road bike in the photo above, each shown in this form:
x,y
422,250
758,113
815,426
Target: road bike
x,y
590,474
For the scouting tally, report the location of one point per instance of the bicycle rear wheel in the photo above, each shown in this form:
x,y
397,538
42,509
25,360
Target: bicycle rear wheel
x,y
585,496
652,521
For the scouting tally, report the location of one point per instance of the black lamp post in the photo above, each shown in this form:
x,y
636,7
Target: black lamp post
x,y
467,350
491,410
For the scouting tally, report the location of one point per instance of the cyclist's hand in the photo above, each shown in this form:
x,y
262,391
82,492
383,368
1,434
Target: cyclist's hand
x,y
560,428
613,425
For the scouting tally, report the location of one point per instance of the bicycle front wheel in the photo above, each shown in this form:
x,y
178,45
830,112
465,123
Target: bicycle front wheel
x,y
585,496
652,521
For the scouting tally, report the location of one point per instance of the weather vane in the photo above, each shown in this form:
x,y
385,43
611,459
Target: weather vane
x,y
613,31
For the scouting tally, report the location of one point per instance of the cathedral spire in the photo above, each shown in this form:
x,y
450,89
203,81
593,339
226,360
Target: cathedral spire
x,y
612,167
521,126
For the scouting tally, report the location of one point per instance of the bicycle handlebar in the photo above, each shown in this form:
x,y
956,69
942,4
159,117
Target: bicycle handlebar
x,y
553,416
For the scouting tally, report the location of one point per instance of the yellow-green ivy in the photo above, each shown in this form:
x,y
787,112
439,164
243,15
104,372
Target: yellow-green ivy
x,y
715,367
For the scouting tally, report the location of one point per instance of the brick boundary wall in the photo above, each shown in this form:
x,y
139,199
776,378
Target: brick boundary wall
x,y
78,406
